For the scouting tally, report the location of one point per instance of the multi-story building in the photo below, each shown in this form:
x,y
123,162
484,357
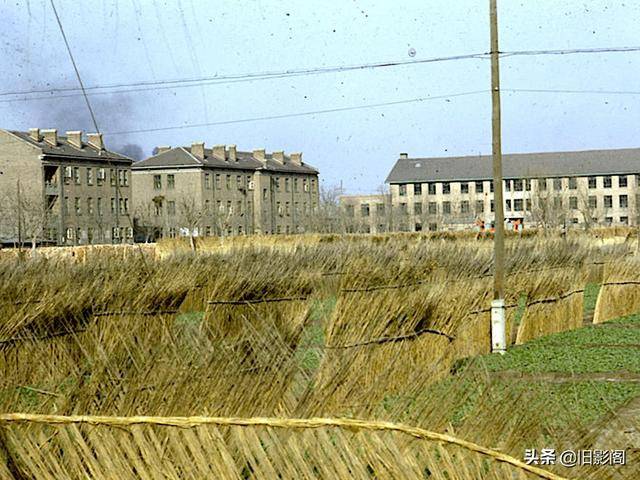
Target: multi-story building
x,y
599,187
555,188
221,191
366,213
62,190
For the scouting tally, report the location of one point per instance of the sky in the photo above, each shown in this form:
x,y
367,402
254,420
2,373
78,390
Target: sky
x,y
151,43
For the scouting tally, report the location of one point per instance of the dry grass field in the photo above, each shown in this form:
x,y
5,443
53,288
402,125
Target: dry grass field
x,y
307,357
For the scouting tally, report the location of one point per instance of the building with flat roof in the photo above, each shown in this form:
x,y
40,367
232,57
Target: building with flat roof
x,y
203,191
62,189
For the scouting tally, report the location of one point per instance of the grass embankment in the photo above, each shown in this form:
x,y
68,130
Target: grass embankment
x,y
579,375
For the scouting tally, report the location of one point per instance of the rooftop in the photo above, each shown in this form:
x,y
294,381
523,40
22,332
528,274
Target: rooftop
x,y
66,147
517,165
221,157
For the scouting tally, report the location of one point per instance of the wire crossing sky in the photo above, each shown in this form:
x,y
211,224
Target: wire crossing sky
x,y
351,84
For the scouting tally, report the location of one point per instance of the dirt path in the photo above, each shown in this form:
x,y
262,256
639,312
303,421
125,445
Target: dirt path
x,y
555,377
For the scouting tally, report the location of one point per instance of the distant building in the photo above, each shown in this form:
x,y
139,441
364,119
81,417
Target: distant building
x,y
598,187
62,190
221,191
366,213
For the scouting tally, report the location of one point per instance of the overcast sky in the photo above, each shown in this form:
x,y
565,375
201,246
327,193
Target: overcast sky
x,y
141,41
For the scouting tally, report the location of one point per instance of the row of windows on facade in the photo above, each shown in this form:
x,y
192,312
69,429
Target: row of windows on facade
x,y
171,182
92,234
121,206
404,227
208,231
520,185
72,175
239,207
518,205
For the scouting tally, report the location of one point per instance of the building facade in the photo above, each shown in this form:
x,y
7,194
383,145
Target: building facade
x,y
62,190
203,191
586,188
366,213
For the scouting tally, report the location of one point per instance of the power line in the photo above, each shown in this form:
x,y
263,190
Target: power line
x,y
291,115
256,76
75,67
549,90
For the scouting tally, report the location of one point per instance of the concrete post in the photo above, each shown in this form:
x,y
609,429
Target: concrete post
x,y
498,327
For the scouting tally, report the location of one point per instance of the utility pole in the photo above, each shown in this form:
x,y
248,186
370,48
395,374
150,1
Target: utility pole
x,y
498,324
19,214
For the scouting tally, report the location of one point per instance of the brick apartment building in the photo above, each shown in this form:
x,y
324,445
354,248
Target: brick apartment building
x,y
221,191
598,187
62,190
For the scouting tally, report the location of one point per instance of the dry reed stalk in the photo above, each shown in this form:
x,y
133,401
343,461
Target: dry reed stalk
x,y
620,292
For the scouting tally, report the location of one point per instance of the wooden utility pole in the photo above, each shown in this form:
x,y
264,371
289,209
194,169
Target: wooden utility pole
x,y
498,334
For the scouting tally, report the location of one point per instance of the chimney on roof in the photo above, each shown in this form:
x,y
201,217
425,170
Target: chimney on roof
x,y
296,158
218,151
162,149
233,154
50,136
197,150
75,138
95,140
404,155
278,156
259,155
34,133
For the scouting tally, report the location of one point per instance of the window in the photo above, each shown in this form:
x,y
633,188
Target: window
x,y
464,187
112,177
129,231
171,181
379,209
593,201
287,187
518,205
157,182
527,185
433,227
493,205
573,203
78,234
573,183
90,235
508,202
70,234
608,201
76,206
464,206
606,181
624,201
364,210
100,176
507,185
124,180
491,187
624,220
592,182
622,181
99,207
217,181
113,206
542,184
446,188
418,227
479,187
239,207
557,184
90,206
76,175
171,207
207,206
417,208
479,206
89,176
403,209
402,189
557,202
220,206
228,182
156,204
126,205
527,205
350,210
313,185
432,189
295,184
239,181
608,220
287,210
517,185
265,193
417,189
446,208
433,208
68,174
115,232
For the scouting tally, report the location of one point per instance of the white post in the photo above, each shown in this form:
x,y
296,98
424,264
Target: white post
x,y
498,327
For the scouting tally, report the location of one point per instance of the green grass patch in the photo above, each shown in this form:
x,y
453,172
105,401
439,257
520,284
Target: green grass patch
x,y
591,291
